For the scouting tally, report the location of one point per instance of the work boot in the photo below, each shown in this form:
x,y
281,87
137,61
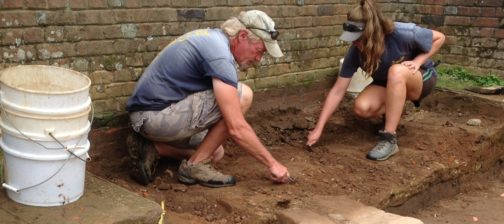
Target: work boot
x,y
386,148
143,158
203,173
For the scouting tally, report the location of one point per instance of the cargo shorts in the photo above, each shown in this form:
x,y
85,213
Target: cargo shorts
x,y
183,124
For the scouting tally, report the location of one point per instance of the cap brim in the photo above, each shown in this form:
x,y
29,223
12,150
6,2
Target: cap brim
x,y
350,36
273,48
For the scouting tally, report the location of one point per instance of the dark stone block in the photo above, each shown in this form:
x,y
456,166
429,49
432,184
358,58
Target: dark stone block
x,y
191,14
433,20
325,10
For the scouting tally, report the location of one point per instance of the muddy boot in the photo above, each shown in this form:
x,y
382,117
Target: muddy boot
x,y
386,148
203,173
143,158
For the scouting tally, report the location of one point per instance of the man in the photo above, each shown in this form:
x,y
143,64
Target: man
x,y
189,101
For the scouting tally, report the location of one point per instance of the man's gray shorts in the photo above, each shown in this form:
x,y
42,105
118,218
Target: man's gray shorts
x,y
183,124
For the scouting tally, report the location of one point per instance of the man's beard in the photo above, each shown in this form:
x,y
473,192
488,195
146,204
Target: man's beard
x,y
243,67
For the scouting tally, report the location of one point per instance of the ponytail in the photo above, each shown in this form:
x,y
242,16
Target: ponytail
x,y
376,27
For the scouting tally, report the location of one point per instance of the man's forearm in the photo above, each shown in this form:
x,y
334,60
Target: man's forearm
x,y
246,138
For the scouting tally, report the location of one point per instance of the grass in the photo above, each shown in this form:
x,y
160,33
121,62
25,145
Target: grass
x,y
460,78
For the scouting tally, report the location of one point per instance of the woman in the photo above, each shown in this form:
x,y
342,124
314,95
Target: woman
x,y
397,56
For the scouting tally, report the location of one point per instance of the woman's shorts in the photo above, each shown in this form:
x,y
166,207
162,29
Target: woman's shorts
x,y
429,78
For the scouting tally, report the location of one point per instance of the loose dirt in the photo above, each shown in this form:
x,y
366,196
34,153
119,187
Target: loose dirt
x,y
437,148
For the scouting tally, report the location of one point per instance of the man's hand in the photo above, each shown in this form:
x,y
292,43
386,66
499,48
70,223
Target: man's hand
x,y
242,133
279,173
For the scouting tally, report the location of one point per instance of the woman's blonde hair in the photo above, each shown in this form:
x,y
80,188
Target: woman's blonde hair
x,y
232,26
376,27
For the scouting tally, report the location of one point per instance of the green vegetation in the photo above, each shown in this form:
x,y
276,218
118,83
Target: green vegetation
x,y
460,78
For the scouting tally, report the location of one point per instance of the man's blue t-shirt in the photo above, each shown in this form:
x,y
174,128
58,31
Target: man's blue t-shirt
x,y
185,66
403,44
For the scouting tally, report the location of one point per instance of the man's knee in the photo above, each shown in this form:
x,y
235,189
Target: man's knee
x,y
246,97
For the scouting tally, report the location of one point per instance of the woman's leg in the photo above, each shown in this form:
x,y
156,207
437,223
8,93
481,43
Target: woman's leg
x,y
402,85
371,102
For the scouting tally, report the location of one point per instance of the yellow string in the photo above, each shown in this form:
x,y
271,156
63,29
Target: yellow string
x,y
162,214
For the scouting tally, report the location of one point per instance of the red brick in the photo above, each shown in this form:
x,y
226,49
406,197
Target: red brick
x,y
488,12
92,32
73,33
57,4
33,35
469,11
47,51
499,33
36,4
54,34
499,12
482,32
94,17
11,4
18,18
485,22
134,3
87,48
491,3
430,9
433,2
9,36
112,32
457,20
459,2
60,17
78,4
97,4
148,3
161,3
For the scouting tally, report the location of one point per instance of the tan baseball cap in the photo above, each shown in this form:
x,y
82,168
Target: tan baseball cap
x,y
263,26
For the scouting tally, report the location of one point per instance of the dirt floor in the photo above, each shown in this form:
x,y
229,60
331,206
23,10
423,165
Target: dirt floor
x,y
438,149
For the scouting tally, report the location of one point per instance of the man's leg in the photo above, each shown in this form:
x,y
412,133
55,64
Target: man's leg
x,y
218,133
168,150
196,170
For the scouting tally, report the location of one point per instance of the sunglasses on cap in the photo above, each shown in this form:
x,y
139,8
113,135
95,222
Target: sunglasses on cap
x,y
274,34
350,27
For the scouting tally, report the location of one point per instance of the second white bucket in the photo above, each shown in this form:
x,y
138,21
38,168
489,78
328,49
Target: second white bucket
x,y
45,121
359,80
45,180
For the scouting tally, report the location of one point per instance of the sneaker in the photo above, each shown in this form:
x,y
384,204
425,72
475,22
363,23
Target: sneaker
x,y
143,158
203,173
386,148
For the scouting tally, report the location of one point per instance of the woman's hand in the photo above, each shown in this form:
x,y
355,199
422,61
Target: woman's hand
x,y
411,65
314,136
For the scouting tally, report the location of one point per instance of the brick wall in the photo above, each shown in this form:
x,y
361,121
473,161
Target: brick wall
x,y
112,41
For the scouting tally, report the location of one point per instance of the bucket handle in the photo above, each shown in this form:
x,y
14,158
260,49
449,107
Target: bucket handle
x,y
68,149
49,132
17,190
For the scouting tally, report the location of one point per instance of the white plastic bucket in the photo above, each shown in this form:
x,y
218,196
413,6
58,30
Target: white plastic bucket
x,y
44,180
359,80
44,90
38,126
44,120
